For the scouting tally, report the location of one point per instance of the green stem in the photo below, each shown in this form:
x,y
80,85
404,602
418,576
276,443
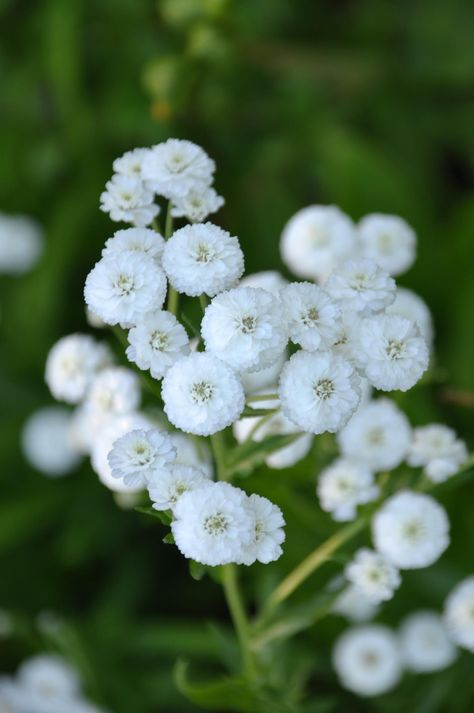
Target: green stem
x,y
218,449
173,296
168,222
262,397
203,302
239,618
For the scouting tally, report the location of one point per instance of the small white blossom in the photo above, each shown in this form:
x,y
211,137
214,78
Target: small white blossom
x,y
21,243
370,572
130,163
244,328
193,451
378,435
316,239
213,525
170,485
268,536
361,286
425,644
140,240
319,391
410,305
394,353
197,204
353,605
175,167
344,485
140,456
72,364
202,258
269,280
459,614
411,530
127,199
202,394
157,342
346,341
47,441
367,660
114,391
122,288
311,315
389,241
264,379
437,448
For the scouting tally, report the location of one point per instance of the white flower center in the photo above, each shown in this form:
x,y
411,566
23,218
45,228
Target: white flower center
x,y
318,237
395,349
359,282
142,454
323,389
247,324
124,285
384,242
159,341
369,658
202,392
204,253
345,486
413,530
375,437
179,489
310,317
216,524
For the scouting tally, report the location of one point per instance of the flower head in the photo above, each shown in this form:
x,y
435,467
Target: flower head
x,y
312,316
175,167
459,614
354,605
47,441
370,572
437,448
409,305
197,204
140,240
21,243
130,163
268,535
140,456
169,486
114,391
425,644
389,241
361,286
127,199
344,485
156,342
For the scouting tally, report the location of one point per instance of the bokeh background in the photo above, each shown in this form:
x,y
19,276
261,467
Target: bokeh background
x,y
363,103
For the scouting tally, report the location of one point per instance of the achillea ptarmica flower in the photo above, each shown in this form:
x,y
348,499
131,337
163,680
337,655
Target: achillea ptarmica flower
x,y
319,391
411,530
361,286
367,660
72,364
388,240
370,572
47,441
268,533
193,451
344,485
202,258
270,280
176,167
437,448
312,316
21,244
410,305
130,163
354,606
140,240
393,351
316,239
140,456
425,644
244,328
202,394
49,677
459,614
157,342
197,205
127,199
169,486
122,288
266,379
115,390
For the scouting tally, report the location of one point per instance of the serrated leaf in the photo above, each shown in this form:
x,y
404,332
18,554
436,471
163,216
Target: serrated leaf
x,y
164,516
247,456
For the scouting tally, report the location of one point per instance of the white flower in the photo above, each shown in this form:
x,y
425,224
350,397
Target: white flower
x,y
411,530
370,572
268,536
169,486
202,258
388,240
352,604
410,305
213,525
197,204
459,614
346,341
202,394
378,435
264,379
316,239
21,243
312,316
175,167
395,356
156,342
361,286
367,660
72,364
140,240
127,199
114,391
122,288
425,644
140,456
438,450
130,164
244,328
269,280
48,677
344,485
47,442
319,391
193,451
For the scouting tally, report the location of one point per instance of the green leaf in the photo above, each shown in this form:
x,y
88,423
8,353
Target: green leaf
x,y
246,457
168,539
164,516
251,412
197,570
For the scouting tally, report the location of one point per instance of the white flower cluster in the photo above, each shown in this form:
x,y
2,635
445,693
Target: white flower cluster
x,y
21,243
44,684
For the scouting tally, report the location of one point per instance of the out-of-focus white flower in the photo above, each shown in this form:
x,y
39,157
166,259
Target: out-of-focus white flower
x,y
394,354
72,364
264,379
353,605
311,315
268,536
409,305
169,486
213,525
114,391
269,280
197,204
361,286
139,457
378,435
244,328
319,391
370,572
130,163
411,530
140,240
459,614
388,240
344,485
156,342
202,394
367,660
47,443
21,243
316,239
202,258
127,199
425,644
176,167
122,288
437,448
192,451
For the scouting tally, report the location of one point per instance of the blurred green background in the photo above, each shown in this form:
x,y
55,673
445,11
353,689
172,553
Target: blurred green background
x,y
364,103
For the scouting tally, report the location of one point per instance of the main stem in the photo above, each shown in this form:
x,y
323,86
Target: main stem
x,y
239,618
173,296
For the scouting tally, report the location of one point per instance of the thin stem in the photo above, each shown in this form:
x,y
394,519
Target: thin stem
x,y
203,302
169,222
218,450
262,397
173,296
239,618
